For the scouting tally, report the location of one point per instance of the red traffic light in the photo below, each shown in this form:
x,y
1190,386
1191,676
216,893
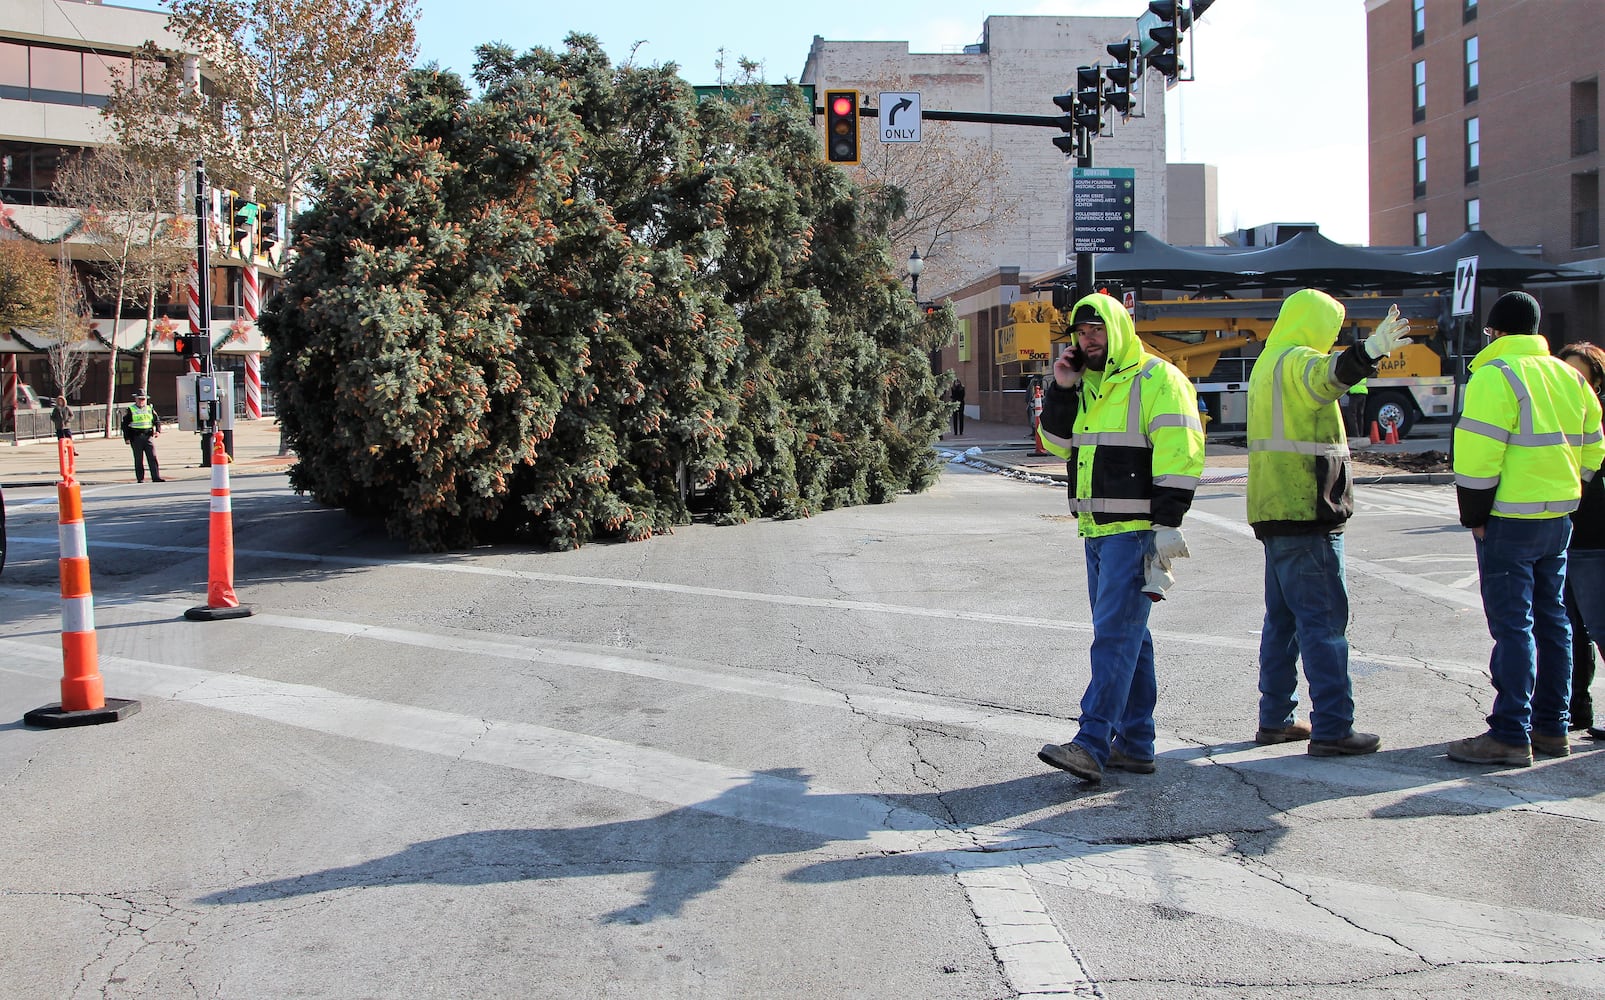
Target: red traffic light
x,y
841,126
842,106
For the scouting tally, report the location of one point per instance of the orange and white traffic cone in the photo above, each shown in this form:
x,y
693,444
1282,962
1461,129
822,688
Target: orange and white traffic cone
x,y
220,600
1393,433
1376,435
83,698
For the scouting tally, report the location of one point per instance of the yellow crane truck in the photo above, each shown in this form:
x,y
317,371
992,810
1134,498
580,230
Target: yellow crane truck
x,y
1192,334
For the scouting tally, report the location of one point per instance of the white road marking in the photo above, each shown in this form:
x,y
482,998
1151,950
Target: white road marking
x,y
994,864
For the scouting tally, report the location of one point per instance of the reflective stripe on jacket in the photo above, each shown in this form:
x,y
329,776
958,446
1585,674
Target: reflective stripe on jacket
x,y
1130,434
1299,477
1529,434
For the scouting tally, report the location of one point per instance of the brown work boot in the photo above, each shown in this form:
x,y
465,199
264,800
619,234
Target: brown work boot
x,y
1134,765
1072,758
1295,733
1485,749
1349,746
1552,746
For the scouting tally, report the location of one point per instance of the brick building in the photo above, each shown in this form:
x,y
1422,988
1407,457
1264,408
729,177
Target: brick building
x,y
1485,115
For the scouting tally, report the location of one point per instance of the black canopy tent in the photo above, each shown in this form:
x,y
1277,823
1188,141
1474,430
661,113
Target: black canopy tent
x,y
1497,265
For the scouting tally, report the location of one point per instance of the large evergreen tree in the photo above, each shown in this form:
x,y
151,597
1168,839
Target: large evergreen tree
x,y
546,311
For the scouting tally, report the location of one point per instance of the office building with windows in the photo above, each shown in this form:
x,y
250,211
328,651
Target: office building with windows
x,y
1485,114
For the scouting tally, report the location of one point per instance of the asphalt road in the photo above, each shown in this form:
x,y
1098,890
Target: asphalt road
x,y
784,759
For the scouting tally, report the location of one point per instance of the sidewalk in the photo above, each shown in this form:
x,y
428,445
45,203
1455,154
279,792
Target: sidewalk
x,y
103,461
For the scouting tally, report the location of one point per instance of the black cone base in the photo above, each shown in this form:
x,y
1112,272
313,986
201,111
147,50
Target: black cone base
x,y
55,717
209,614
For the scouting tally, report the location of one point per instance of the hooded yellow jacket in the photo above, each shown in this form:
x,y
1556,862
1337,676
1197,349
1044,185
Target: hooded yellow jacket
x,y
1130,434
1299,478
1528,436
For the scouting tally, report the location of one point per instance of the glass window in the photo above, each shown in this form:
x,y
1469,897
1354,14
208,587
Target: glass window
x,y
1418,22
1419,90
1473,148
1468,13
1473,214
1471,68
1420,237
1420,166
100,71
13,71
56,76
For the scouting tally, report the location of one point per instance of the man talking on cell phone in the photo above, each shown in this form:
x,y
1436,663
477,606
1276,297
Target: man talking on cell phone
x,y
1126,422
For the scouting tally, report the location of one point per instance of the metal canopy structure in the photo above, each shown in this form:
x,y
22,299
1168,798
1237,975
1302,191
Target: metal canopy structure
x,y
1311,260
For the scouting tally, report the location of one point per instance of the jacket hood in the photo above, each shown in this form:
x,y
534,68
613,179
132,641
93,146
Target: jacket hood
x,y
1309,318
1125,349
1511,345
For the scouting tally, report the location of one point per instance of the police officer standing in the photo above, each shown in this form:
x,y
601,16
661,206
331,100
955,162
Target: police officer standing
x,y
141,426
1528,439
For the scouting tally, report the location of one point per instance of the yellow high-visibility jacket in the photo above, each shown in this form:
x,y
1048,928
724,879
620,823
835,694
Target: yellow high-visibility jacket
x,y
1130,434
1529,435
1299,476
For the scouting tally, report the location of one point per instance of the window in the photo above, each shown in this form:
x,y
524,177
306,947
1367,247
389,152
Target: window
x,y
1468,12
1418,23
1421,166
13,71
1473,214
99,73
56,76
1585,117
1585,210
28,172
1419,91
1471,69
1473,149
1420,237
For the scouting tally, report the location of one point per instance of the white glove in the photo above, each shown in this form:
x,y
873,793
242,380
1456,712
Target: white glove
x,y
1169,544
1391,334
1157,577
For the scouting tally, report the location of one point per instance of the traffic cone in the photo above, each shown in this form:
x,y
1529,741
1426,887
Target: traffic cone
x,y
1393,433
220,600
1376,435
83,699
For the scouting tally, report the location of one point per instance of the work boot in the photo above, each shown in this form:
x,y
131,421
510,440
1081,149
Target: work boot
x,y
1596,733
1351,745
1485,749
1552,746
1072,758
1134,765
1287,734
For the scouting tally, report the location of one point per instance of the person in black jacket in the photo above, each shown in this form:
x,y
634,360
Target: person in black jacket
x,y
1585,560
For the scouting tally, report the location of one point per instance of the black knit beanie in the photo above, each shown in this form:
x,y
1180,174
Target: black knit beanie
x,y
1515,312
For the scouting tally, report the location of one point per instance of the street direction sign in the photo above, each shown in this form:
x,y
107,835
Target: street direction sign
x,y
899,117
1465,287
1103,208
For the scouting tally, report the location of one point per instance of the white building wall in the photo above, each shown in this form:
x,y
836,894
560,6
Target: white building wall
x,y
1018,68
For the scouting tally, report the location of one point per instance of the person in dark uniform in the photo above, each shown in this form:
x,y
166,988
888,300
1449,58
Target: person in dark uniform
x,y
956,394
141,428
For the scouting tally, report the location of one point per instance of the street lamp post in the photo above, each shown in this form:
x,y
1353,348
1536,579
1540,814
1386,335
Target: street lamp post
x,y
916,264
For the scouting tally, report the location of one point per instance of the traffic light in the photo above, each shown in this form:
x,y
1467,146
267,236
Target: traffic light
x,y
841,126
1067,123
245,216
182,344
1122,75
268,228
1089,95
1166,54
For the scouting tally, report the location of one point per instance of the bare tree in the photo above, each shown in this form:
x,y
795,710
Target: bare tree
x,y
937,195
69,328
292,85
128,211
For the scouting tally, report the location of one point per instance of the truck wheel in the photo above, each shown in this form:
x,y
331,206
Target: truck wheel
x,y
1386,407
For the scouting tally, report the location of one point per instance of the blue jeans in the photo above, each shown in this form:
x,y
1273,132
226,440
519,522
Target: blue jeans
x,y
1306,615
1118,706
1522,564
1585,576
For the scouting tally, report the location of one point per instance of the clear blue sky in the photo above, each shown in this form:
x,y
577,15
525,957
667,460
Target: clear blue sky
x,y
1279,103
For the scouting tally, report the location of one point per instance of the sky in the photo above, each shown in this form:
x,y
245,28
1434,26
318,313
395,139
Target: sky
x,y
1278,103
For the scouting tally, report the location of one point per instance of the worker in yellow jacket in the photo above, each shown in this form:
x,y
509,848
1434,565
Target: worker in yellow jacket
x,y
1126,422
1300,498
1527,440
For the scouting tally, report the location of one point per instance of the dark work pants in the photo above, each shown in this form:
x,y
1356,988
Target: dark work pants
x,y
144,451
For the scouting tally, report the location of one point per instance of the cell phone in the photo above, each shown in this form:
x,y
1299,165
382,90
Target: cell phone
x,y
1078,357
